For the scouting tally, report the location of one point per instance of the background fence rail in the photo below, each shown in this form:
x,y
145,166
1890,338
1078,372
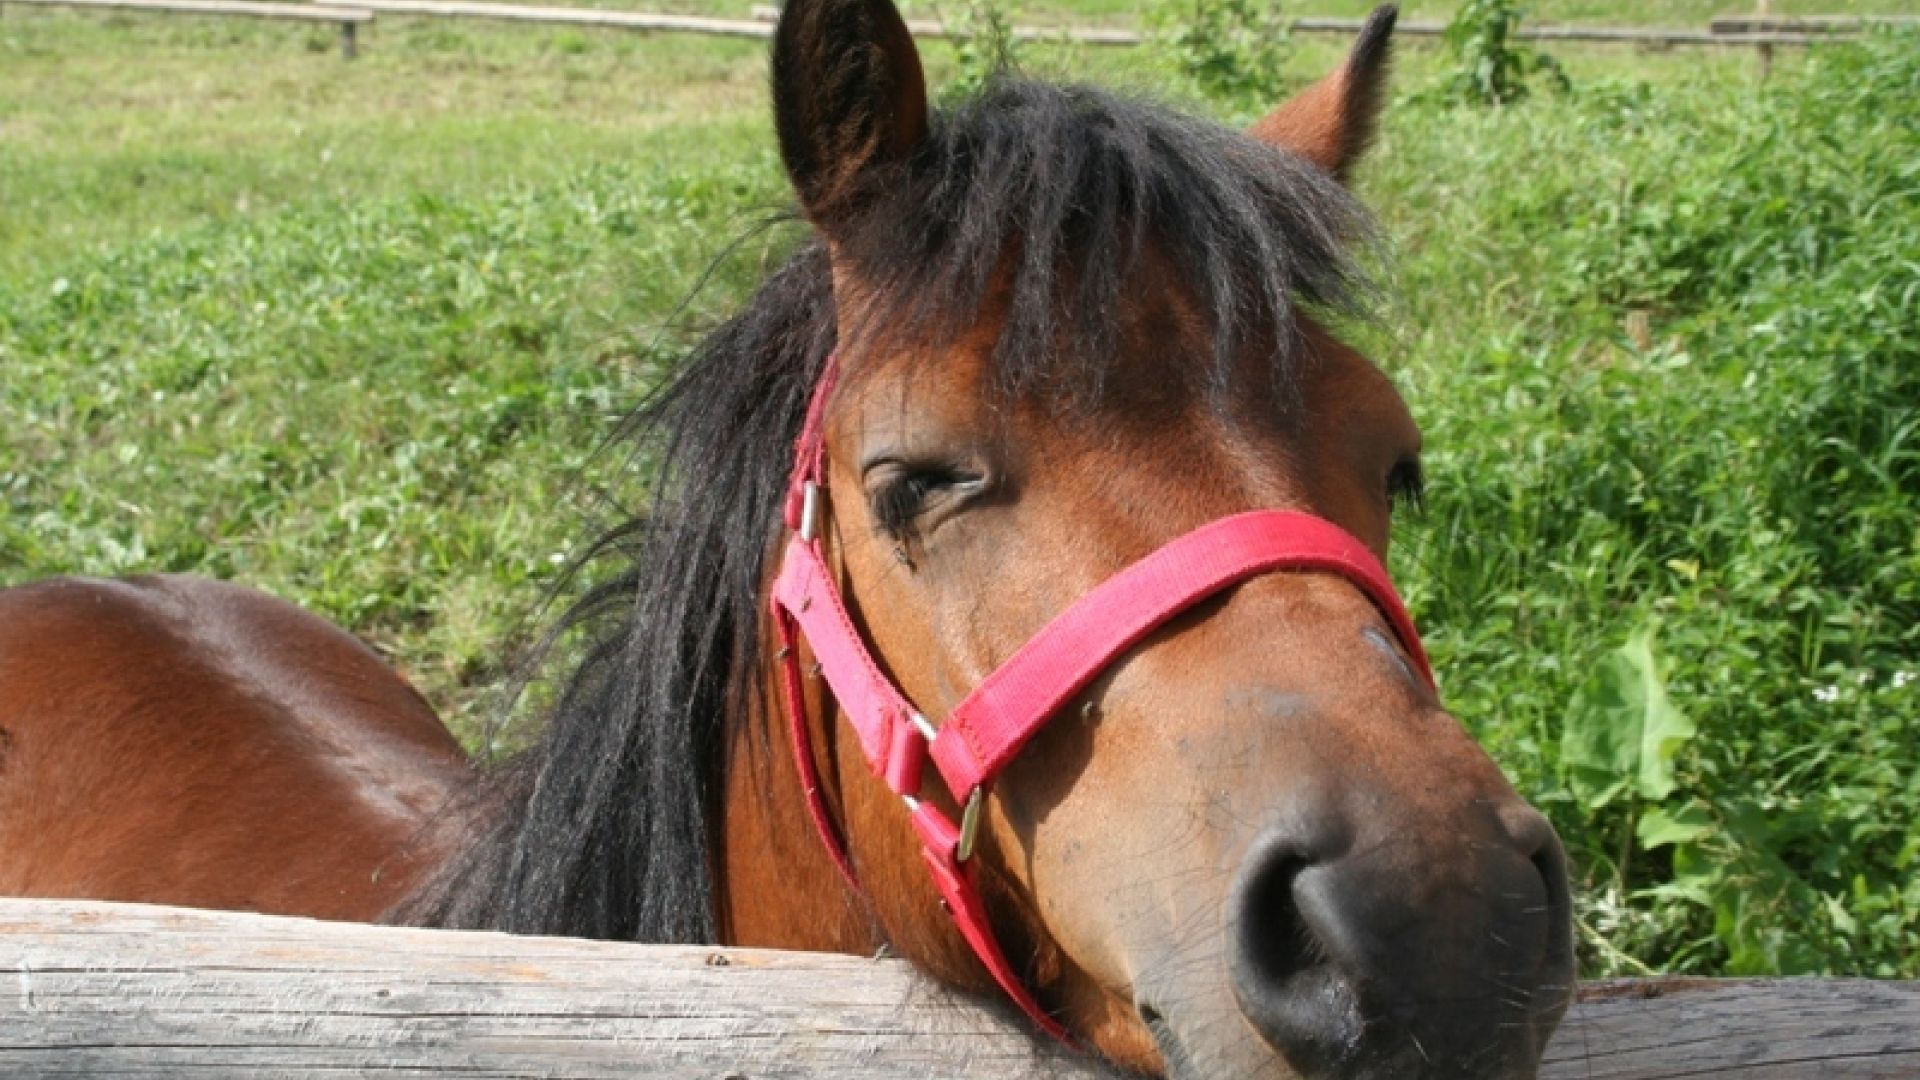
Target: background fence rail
x,y
1817,25
1758,32
570,16
92,989
346,16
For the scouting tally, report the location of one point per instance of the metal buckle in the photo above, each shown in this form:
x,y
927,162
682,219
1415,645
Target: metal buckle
x,y
969,827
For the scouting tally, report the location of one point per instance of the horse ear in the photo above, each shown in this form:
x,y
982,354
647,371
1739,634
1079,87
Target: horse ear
x,y
848,97
1331,122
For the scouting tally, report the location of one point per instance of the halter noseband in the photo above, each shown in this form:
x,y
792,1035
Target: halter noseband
x,y
990,725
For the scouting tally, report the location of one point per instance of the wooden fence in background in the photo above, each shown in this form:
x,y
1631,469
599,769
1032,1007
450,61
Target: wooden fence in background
x,y
1757,31
1738,33
349,18
122,990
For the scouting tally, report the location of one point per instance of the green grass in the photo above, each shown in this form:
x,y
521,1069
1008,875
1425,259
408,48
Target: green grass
x,y
351,332
346,331
140,123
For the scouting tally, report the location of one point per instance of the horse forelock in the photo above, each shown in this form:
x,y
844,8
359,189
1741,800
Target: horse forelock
x,y
1046,204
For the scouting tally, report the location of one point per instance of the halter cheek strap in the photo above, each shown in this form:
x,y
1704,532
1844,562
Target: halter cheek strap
x,y
990,725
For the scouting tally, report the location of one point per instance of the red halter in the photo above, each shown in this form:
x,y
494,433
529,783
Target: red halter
x,y
990,725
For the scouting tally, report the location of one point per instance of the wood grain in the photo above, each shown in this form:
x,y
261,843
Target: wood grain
x,y
123,990
1760,1029
120,990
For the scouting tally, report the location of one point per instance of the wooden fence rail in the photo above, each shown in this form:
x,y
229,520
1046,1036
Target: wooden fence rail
x,y
1748,32
349,17
117,990
568,16
1819,25
1647,36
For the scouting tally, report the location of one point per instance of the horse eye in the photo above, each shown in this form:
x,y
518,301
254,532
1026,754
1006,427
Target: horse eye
x,y
900,499
1407,484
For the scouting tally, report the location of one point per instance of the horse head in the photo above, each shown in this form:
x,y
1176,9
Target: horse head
x,y
1085,528
1071,329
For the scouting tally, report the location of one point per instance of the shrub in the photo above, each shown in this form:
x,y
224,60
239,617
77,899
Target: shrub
x,y
1230,51
1490,68
1745,478
984,47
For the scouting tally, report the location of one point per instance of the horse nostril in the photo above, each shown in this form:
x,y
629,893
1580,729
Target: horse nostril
x,y
1272,941
1283,979
1552,864
1549,858
1421,958
1534,835
1530,830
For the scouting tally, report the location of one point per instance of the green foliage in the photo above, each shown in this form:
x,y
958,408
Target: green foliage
x,y
1229,51
984,47
1743,471
1490,68
1622,731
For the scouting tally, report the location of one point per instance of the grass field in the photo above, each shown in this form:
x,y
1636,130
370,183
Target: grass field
x,y
353,332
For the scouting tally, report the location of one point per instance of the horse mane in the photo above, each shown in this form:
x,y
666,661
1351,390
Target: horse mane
x,y
1048,196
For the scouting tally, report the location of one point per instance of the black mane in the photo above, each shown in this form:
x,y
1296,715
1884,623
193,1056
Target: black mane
x,y
604,829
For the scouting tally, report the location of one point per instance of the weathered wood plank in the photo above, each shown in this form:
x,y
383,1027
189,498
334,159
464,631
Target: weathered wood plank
x,y
258,9
109,990
1762,1029
113,990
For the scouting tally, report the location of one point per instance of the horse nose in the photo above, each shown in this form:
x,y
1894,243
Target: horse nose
x,y
1439,952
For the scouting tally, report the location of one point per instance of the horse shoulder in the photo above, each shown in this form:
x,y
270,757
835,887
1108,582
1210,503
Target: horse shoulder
x,y
180,740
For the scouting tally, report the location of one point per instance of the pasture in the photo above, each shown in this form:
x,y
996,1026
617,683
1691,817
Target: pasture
x,y
354,334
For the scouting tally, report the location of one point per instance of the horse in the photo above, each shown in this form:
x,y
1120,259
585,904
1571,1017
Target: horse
x,y
1051,367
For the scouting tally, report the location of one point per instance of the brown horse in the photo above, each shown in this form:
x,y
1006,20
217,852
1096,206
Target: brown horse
x,y
1071,327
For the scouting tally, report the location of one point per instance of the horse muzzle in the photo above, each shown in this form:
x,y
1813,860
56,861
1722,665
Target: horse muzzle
x,y
1357,954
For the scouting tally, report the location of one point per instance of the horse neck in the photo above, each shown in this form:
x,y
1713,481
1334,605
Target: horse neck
x,y
776,886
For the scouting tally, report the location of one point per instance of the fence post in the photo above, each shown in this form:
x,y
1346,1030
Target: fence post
x,y
1766,51
349,45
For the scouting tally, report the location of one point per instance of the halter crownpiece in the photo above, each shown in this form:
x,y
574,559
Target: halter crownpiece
x,y
989,726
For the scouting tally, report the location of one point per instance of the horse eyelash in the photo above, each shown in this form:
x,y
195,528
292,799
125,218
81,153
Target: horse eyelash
x,y
1407,485
897,503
